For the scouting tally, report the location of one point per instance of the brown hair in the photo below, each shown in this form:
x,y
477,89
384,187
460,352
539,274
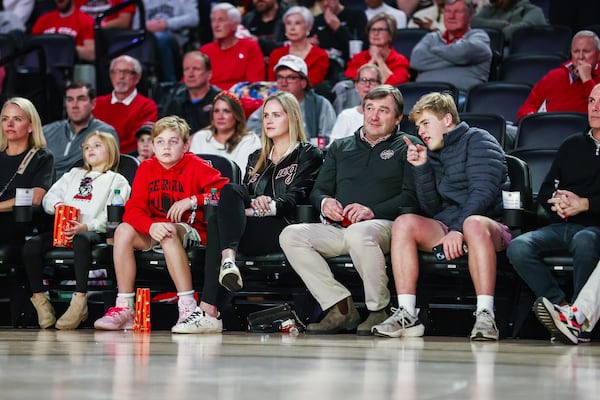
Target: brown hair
x,y
238,114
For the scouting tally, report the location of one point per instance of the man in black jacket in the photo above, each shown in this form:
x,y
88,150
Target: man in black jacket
x,y
363,183
570,195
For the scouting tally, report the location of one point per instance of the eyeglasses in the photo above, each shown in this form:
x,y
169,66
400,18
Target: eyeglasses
x,y
288,78
379,30
365,81
129,72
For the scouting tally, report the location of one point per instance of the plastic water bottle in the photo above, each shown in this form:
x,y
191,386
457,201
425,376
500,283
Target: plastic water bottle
x,y
114,214
117,199
213,198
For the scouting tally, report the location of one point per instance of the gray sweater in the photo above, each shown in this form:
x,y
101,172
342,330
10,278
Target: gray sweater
x,y
463,63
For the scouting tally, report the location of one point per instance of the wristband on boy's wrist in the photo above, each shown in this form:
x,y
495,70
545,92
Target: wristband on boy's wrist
x,y
194,202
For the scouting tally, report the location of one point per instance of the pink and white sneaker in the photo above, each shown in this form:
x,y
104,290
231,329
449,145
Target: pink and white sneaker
x,y
116,319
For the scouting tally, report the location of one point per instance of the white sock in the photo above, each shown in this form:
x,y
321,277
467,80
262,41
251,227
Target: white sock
x,y
228,259
186,297
485,302
409,302
125,300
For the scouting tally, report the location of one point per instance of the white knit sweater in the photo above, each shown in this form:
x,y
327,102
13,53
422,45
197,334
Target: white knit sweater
x,y
91,197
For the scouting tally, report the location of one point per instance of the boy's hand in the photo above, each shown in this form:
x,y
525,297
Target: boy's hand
x,y
176,211
453,245
415,154
161,230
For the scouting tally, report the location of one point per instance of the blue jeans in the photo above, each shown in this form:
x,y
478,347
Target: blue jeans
x,y
168,50
525,254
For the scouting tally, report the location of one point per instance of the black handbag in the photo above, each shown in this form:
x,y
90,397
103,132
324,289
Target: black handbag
x,y
270,320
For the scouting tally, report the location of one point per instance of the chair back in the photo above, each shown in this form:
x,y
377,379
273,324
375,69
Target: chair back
x,y
128,166
413,91
137,43
407,38
528,68
60,58
548,130
497,41
520,179
226,167
503,98
542,39
493,123
538,162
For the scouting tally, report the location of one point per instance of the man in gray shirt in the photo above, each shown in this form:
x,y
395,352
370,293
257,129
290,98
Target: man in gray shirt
x,y
292,76
66,136
461,55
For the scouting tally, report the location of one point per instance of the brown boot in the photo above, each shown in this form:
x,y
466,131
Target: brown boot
x,y
45,311
374,318
334,321
75,314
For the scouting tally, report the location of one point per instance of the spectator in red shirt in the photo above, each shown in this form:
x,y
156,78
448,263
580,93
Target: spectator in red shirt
x,y
233,59
298,22
121,19
125,109
567,88
394,66
68,20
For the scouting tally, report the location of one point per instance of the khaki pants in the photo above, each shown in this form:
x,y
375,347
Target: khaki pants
x,y
588,299
307,246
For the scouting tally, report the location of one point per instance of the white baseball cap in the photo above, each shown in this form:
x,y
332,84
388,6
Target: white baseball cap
x,y
294,63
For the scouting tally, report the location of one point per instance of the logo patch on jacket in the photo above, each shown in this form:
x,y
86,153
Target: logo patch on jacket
x,y
386,154
287,173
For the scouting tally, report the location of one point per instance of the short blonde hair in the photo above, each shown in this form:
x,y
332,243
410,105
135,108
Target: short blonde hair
x,y
174,123
36,137
113,151
438,103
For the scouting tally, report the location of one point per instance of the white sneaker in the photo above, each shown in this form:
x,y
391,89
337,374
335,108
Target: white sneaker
x,y
199,322
485,327
230,277
401,323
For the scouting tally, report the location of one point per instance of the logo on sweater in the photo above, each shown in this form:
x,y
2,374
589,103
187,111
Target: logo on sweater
x,y
287,173
85,189
386,154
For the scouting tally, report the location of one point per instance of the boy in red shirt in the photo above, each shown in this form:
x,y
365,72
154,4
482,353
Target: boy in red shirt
x,y
162,214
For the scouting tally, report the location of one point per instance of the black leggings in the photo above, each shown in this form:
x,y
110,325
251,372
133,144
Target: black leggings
x,y
229,228
33,258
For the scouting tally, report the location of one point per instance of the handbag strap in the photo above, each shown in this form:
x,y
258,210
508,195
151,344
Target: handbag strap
x,y
21,169
26,160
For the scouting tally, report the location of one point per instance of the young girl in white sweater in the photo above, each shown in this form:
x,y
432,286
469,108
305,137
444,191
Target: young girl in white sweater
x,y
88,188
